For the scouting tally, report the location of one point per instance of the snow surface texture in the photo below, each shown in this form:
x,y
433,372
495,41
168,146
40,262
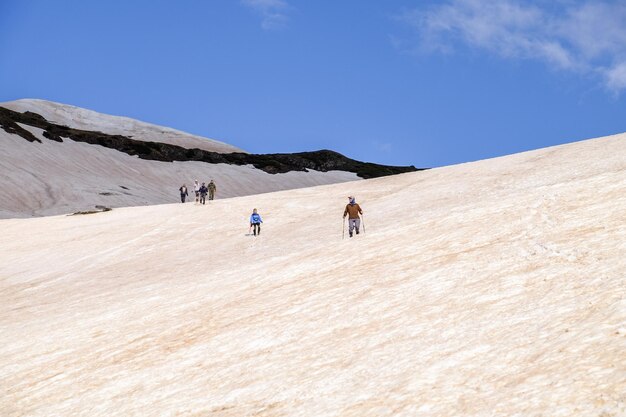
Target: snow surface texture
x,y
56,178
494,288
79,118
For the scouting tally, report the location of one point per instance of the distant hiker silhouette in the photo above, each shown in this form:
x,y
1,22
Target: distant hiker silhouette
x,y
203,192
352,211
196,189
183,193
212,189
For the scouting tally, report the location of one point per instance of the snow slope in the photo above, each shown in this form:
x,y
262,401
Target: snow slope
x,y
494,288
79,118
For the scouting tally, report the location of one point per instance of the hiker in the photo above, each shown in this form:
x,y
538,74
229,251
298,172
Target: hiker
x,y
183,193
255,222
212,190
203,191
196,189
352,211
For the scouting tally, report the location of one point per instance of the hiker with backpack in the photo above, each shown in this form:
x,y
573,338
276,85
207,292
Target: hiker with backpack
x,y
203,192
352,211
183,193
212,189
255,222
196,189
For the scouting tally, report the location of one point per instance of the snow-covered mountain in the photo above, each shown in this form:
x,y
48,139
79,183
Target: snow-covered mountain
x,y
58,159
79,118
494,288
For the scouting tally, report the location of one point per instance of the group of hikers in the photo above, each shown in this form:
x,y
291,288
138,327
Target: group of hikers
x,y
352,211
201,192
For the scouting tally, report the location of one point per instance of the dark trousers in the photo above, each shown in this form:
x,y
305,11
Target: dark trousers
x,y
211,195
256,228
202,198
182,198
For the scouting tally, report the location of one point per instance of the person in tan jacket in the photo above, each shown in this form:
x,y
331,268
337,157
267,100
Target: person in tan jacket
x,y
352,211
212,189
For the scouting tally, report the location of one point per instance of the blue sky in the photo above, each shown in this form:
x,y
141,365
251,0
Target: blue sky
x,y
427,83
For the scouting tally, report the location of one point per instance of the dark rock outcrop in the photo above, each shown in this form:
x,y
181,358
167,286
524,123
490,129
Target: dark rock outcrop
x,y
323,160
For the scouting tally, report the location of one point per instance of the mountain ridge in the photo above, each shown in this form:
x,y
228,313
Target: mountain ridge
x,y
49,168
86,119
323,160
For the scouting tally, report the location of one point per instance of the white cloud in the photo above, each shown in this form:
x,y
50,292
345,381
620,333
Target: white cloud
x,y
587,37
272,12
616,77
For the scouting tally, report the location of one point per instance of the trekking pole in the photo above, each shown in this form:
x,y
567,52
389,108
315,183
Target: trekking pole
x,y
343,228
363,220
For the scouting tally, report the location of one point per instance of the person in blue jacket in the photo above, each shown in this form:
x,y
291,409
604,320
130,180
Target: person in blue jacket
x,y
203,192
255,222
